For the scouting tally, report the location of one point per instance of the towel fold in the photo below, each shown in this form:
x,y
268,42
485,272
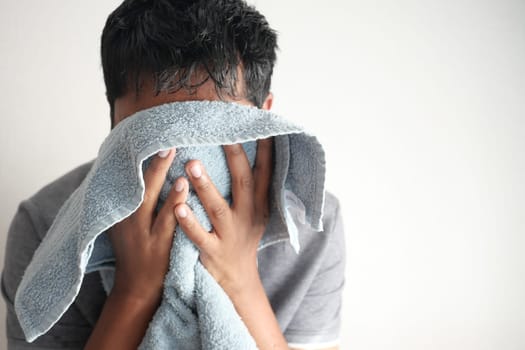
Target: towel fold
x,y
195,313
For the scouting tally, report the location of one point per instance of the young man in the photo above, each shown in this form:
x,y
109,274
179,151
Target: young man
x,y
160,51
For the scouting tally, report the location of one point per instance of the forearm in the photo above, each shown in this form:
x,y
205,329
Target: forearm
x,y
141,244
255,310
229,252
122,323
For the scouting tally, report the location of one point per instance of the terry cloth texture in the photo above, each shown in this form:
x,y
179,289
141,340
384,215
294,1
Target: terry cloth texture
x,y
194,309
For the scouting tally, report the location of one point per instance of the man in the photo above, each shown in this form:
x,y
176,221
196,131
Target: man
x,y
161,51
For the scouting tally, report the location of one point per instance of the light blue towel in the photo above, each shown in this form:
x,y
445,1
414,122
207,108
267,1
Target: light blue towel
x,y
195,312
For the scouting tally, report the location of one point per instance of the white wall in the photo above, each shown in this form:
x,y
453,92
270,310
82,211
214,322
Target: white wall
x,y
421,107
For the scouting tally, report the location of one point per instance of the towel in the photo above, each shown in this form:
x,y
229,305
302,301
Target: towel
x,y
195,313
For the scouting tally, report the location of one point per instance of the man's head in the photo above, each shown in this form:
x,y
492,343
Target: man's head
x,y
158,51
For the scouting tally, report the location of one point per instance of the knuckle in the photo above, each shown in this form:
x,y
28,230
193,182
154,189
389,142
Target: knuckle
x,y
260,226
265,145
148,197
235,150
219,211
170,206
156,168
202,185
172,201
188,224
246,182
200,241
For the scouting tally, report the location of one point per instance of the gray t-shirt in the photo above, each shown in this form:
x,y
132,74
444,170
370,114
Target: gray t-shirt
x,y
305,289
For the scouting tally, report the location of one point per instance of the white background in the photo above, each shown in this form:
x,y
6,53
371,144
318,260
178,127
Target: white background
x,y
420,106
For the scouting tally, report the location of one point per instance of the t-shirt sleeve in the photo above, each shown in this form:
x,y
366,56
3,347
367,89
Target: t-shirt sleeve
x,y
317,322
23,239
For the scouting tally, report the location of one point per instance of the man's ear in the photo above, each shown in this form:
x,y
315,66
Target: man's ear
x,y
268,101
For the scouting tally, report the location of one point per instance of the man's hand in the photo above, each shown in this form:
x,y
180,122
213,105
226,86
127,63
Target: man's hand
x,y
142,244
229,251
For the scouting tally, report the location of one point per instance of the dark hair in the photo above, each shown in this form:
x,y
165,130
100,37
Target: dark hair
x,y
170,40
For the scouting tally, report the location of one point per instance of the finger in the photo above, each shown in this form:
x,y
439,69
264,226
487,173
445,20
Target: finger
x,y
262,174
193,229
166,221
154,178
215,205
242,178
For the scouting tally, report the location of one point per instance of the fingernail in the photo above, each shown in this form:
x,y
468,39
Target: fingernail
x,y
181,212
164,153
179,185
196,171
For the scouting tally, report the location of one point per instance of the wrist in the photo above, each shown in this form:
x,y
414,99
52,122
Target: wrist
x,y
135,298
137,288
246,289
255,310
123,321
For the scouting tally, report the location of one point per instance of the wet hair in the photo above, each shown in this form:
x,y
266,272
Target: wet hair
x,y
175,41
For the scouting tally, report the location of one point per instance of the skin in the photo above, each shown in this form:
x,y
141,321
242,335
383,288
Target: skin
x,y
142,241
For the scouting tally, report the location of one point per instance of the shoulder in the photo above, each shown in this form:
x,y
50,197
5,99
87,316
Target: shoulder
x,y
331,212
305,288
326,247
26,231
33,218
313,244
44,205
61,188
30,223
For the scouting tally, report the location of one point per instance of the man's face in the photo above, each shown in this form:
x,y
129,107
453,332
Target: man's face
x,y
130,103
